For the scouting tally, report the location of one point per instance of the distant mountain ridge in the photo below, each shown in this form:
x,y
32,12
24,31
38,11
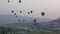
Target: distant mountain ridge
x,y
41,23
8,19
52,24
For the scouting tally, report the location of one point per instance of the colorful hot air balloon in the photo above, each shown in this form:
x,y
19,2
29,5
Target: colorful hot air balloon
x,y
19,1
43,13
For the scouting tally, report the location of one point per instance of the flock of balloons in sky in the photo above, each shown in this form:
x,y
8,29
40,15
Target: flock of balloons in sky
x,y
42,13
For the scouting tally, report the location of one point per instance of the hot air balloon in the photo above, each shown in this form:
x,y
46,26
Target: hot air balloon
x,y
28,12
12,11
34,20
20,11
31,11
43,13
19,1
18,20
16,15
23,20
8,1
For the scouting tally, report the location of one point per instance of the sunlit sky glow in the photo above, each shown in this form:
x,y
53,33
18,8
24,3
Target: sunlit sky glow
x,y
50,7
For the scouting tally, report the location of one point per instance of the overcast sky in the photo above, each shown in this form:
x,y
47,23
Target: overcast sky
x,y
50,7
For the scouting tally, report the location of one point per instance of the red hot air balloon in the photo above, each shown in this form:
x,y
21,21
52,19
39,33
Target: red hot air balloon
x,y
42,13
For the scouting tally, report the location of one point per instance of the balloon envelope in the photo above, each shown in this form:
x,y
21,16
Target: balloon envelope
x,y
43,13
31,11
28,12
19,1
14,13
8,1
18,20
20,11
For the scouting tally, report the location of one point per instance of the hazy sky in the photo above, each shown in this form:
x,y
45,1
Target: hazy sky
x,y
50,7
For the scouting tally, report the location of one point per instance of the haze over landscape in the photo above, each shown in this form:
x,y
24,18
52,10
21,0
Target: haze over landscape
x,y
50,7
29,16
